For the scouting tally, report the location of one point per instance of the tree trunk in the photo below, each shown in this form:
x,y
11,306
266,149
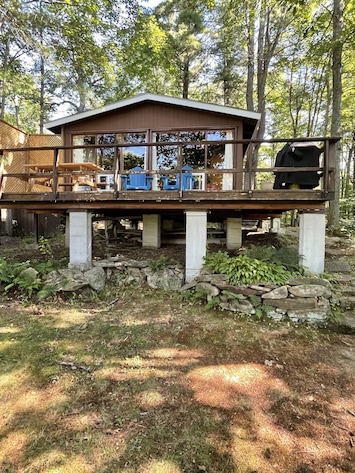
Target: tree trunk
x,y
251,68
333,214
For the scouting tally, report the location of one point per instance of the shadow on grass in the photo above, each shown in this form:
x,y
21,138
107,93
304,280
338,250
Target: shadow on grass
x,y
157,388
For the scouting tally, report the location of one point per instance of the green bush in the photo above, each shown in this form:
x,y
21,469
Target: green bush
x,y
244,270
286,256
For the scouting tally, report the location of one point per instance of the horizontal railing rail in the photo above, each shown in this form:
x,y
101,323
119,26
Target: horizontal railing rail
x,y
243,177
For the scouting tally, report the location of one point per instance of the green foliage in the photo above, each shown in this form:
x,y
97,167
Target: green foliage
x,y
45,247
286,256
195,297
45,267
345,229
46,292
26,281
10,271
244,270
258,305
20,276
161,263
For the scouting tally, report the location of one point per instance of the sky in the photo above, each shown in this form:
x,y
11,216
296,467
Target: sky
x,y
151,3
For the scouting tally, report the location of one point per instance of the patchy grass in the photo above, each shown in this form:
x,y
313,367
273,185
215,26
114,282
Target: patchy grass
x,y
146,384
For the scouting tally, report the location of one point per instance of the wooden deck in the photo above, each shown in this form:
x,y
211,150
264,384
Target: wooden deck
x,y
56,189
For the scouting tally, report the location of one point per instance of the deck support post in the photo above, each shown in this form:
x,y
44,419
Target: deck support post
x,y
275,225
196,242
151,231
80,239
67,235
312,241
234,233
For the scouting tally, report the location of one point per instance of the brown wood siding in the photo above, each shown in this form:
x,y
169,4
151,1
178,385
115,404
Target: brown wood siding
x,y
151,116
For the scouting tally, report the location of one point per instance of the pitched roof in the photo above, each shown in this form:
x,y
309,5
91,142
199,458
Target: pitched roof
x,y
147,97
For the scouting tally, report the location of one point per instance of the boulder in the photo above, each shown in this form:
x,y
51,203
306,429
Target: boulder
x,y
67,280
96,278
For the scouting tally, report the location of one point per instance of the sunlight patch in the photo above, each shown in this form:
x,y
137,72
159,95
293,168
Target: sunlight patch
x,y
13,445
224,385
9,330
67,319
160,466
150,399
174,353
124,374
50,461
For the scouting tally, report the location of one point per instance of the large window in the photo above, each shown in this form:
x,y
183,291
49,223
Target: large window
x,y
127,156
173,151
135,154
169,155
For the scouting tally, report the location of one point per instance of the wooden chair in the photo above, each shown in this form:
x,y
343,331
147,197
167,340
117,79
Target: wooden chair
x,y
137,181
187,181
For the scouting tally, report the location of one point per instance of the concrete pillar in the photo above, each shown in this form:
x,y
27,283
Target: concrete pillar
x,y
234,233
151,231
80,239
275,225
312,241
196,242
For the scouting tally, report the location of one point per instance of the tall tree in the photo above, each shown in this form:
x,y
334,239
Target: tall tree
x,y
333,213
183,21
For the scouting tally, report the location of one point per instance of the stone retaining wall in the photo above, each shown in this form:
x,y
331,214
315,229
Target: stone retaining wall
x,y
299,300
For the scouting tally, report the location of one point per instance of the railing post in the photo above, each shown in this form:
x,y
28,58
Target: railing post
x,y
116,170
179,163
55,172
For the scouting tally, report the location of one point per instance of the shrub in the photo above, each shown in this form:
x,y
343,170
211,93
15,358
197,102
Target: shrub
x,y
244,270
286,256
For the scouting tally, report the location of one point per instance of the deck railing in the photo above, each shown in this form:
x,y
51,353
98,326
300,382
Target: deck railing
x,y
56,176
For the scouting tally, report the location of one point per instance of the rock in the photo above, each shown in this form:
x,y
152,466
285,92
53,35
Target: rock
x,y
305,290
104,264
96,278
337,266
308,280
137,274
238,306
312,317
67,279
188,286
348,321
279,293
30,274
212,278
276,315
209,288
292,303
242,305
166,279
261,289
347,302
239,289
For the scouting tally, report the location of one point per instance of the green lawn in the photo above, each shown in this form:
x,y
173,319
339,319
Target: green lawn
x,y
148,384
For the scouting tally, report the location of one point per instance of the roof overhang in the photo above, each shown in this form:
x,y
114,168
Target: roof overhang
x,y
56,125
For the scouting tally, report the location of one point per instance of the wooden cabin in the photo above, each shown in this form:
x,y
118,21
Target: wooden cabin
x,y
162,159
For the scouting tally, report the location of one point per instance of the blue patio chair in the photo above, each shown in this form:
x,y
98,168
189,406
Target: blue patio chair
x,y
187,181
137,181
